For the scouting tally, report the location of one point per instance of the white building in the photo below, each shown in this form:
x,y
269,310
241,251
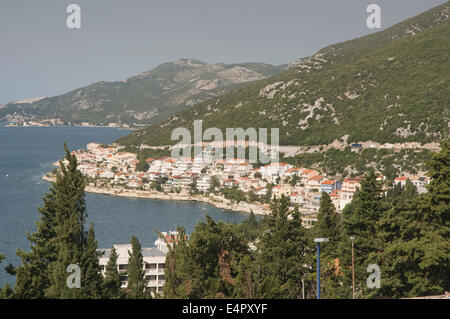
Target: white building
x,y
154,264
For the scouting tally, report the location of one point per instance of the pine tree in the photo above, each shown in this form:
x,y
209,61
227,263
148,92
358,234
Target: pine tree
x,y
60,240
206,265
70,235
285,251
136,275
416,259
32,275
112,284
360,219
328,225
334,265
6,292
246,280
90,268
174,265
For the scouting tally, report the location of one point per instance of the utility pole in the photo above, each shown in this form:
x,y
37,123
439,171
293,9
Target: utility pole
x,y
303,287
353,267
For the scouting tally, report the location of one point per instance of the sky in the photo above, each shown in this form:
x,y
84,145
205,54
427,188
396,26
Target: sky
x,y
41,56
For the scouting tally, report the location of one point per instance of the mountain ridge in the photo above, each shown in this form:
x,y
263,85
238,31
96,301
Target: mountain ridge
x,y
388,87
145,98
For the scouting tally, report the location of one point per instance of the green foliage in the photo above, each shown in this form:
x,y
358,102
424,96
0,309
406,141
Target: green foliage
x,y
214,182
415,233
336,162
142,166
206,265
113,280
233,194
285,253
360,219
328,225
136,275
60,240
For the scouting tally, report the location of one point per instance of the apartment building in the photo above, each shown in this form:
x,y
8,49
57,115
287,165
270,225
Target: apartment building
x,y
154,264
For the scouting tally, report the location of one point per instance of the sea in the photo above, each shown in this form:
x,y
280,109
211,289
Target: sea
x,y
27,153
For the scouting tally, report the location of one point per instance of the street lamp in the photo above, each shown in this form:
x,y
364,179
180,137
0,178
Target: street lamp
x,y
352,237
318,241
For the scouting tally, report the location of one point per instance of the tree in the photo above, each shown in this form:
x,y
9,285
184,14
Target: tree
x,y
416,259
252,197
206,265
60,241
142,166
6,292
294,180
215,183
112,284
175,262
360,219
70,214
136,275
328,225
91,277
285,253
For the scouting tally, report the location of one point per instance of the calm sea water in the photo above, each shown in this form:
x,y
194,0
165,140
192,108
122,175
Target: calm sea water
x,y
26,153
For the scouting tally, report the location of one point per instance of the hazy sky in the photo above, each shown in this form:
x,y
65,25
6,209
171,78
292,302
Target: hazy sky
x,y
40,56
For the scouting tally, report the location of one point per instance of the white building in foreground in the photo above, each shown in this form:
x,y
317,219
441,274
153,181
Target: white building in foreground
x,y
154,264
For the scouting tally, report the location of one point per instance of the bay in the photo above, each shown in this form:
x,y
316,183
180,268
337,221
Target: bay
x,y
27,153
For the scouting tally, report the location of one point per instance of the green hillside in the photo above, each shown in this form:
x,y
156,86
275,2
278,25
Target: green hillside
x,y
146,98
390,86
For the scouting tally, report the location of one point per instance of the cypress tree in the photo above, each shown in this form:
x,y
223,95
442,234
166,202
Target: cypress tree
x,y
112,283
70,235
60,240
32,275
328,225
90,268
174,265
285,250
360,219
136,275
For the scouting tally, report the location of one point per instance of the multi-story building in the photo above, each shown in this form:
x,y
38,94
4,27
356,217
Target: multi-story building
x,y
349,188
329,185
154,264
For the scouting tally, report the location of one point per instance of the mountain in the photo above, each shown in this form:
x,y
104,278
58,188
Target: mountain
x,y
143,99
388,87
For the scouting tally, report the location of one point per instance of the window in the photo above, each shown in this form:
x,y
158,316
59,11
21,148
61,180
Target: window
x,y
161,266
123,267
161,277
150,266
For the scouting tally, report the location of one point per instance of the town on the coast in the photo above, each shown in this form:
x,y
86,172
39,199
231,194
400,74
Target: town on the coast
x,y
232,184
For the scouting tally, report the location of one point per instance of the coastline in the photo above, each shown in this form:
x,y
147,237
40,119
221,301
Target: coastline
x,y
217,201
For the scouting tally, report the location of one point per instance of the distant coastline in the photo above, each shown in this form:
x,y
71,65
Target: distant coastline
x,y
49,124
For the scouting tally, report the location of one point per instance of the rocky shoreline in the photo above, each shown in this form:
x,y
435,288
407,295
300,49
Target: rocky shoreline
x,y
217,201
